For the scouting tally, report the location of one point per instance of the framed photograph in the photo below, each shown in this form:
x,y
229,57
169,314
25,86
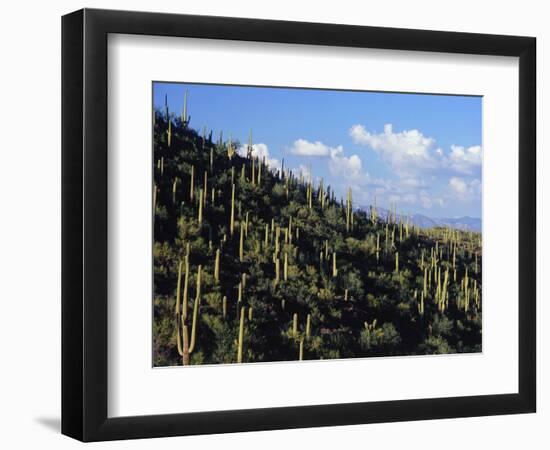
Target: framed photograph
x,y
273,224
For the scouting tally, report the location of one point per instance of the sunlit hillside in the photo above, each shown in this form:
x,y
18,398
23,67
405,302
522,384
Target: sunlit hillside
x,y
253,264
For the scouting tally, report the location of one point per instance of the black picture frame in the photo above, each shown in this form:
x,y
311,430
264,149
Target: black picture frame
x,y
84,224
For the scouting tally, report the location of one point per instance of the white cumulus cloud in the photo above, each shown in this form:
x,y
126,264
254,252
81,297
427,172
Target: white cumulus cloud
x,y
349,166
338,163
406,151
464,160
260,151
305,148
410,153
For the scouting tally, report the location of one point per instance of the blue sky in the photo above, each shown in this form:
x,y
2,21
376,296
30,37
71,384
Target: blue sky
x,y
420,152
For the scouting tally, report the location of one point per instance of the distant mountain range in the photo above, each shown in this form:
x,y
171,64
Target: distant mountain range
x,y
465,223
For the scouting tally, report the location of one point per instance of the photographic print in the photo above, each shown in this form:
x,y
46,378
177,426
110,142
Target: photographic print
x,y
295,224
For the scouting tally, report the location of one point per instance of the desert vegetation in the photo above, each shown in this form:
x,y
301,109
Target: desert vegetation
x,y
256,264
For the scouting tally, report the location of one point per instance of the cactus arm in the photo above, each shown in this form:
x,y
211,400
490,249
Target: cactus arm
x,y
196,307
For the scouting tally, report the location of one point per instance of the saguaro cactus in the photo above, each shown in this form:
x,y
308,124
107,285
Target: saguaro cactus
x,y
201,202
192,184
454,256
205,190
185,344
290,229
178,289
425,287
396,262
174,189
232,218
241,244
217,266
260,164
230,150
444,289
241,337
211,159
249,147
277,270
349,223
277,237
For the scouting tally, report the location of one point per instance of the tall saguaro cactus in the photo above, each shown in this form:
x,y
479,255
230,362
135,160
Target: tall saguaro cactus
x,y
205,190
192,184
230,150
241,337
241,244
174,190
295,325
260,164
186,344
211,159
277,271
396,262
349,213
217,266
249,147
232,218
201,202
